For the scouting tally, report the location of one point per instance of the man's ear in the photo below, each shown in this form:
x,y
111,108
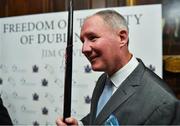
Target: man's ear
x,y
123,35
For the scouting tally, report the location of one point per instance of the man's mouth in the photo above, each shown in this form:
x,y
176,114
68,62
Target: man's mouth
x,y
92,59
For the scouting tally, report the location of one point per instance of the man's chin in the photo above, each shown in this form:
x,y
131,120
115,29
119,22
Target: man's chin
x,y
95,68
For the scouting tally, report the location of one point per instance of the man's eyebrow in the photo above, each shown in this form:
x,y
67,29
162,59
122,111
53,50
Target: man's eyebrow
x,y
89,33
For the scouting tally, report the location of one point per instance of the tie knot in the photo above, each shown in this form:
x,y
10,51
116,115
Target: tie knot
x,y
109,83
109,86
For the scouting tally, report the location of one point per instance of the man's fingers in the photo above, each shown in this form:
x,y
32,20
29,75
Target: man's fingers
x,y
68,121
71,121
59,122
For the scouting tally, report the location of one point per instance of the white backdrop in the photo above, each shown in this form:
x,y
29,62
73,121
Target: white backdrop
x,y
32,61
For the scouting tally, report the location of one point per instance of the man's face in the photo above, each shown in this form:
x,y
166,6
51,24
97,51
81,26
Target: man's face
x,y
100,44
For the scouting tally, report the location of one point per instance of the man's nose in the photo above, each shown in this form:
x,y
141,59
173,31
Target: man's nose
x,y
86,48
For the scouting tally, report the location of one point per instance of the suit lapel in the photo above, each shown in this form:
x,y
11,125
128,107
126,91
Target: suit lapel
x,y
123,93
120,96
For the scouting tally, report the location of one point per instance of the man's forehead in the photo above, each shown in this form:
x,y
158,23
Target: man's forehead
x,y
89,27
88,23
87,32
92,21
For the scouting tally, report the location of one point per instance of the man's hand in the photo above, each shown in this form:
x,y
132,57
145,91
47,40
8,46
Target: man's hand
x,y
68,121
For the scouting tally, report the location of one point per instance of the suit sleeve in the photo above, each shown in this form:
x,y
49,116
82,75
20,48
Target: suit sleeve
x,y
163,115
4,116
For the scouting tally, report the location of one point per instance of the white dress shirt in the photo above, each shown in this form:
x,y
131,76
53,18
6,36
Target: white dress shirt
x,y
118,77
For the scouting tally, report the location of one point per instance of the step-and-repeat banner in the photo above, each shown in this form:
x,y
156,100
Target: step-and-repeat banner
x,y
32,60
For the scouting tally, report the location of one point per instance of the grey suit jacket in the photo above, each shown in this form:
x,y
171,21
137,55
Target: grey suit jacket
x,y
143,98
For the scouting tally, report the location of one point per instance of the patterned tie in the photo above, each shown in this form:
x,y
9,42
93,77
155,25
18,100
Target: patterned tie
x,y
106,94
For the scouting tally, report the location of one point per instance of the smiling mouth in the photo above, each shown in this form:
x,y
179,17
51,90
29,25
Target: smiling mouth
x,y
92,59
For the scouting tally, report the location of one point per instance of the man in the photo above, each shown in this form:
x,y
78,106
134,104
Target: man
x,y
139,96
4,116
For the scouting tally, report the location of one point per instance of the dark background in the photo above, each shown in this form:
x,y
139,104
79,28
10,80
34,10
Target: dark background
x,y
170,24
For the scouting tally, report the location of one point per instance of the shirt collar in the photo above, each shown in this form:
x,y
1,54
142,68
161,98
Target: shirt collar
x,y
118,77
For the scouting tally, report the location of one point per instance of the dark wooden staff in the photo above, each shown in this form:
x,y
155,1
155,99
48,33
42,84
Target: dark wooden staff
x,y
68,67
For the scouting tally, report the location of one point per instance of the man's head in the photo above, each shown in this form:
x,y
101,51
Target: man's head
x,y
105,41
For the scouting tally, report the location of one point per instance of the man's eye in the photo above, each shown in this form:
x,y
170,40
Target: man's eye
x,y
92,38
